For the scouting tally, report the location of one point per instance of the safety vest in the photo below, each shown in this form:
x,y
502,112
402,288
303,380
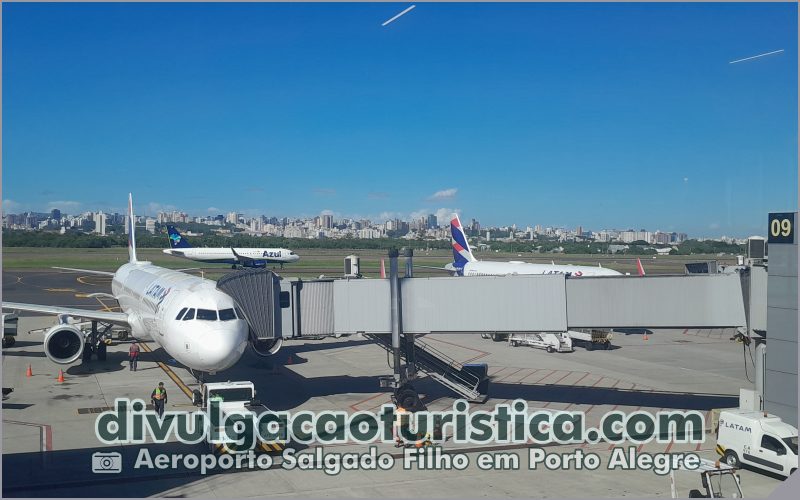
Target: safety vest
x,y
159,393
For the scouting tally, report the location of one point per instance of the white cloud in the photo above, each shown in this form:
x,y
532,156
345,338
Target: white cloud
x,y
444,194
65,206
11,207
327,212
442,214
213,210
153,208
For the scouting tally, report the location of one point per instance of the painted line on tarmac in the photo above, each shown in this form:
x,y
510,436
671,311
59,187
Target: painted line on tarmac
x,y
171,374
45,433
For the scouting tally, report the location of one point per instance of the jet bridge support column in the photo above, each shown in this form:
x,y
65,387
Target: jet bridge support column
x,y
397,321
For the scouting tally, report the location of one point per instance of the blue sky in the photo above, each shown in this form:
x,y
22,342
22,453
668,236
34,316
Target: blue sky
x,y
600,115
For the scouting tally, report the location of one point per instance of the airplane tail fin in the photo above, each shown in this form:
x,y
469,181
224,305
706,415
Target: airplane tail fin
x,y
639,266
131,231
176,240
461,251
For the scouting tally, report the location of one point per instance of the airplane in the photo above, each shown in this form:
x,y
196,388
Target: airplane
x,y
195,323
465,264
245,257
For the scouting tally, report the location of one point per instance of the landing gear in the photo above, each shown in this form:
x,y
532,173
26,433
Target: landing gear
x,y
9,341
102,350
198,375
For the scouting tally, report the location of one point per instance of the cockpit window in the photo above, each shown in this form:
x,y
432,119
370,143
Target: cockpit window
x,y
207,314
180,314
226,315
189,315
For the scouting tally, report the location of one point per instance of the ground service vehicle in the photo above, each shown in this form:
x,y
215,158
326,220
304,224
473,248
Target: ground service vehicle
x,y
716,481
757,439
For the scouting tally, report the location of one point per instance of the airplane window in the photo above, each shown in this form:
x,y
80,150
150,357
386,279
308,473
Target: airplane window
x,y
207,314
226,314
189,315
180,314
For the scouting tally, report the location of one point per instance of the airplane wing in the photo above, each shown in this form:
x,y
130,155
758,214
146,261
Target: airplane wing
x,y
245,260
118,318
443,268
89,271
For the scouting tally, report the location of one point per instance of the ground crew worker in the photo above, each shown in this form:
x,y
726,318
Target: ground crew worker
x,y
423,442
133,356
400,422
159,398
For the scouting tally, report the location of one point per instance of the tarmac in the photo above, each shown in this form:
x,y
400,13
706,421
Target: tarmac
x,y
49,427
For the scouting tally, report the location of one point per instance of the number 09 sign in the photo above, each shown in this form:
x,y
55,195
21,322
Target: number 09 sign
x,y
781,228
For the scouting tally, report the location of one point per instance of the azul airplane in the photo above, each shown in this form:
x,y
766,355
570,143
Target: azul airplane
x,y
194,322
465,264
245,257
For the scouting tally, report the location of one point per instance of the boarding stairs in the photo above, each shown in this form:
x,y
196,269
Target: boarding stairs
x,y
469,381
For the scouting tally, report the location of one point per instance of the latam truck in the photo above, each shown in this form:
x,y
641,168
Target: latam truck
x,y
758,439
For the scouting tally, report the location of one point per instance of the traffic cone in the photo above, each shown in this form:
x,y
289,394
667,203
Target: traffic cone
x,y
645,336
29,373
60,378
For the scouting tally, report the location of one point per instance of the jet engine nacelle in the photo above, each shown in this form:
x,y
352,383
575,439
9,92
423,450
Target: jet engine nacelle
x,y
265,347
64,344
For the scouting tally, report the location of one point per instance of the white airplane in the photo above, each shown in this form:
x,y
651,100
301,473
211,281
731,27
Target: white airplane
x,y
194,322
245,257
465,264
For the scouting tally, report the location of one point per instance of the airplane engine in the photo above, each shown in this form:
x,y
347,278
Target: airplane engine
x,y
64,344
266,347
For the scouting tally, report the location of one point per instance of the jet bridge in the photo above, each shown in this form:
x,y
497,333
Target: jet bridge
x,y
404,307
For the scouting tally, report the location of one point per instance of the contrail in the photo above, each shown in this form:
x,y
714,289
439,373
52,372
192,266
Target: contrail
x,y
755,57
398,15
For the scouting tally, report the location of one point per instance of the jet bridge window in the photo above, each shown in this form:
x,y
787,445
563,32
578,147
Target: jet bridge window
x,y
207,314
226,315
189,315
180,314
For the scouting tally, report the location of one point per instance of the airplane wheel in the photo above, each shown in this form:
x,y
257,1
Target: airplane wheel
x,y
590,346
102,351
9,341
550,349
197,398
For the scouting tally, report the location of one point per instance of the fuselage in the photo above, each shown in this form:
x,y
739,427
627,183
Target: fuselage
x,y
159,302
226,256
490,268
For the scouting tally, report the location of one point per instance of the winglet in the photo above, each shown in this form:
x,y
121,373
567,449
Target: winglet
x,y
458,239
131,231
639,266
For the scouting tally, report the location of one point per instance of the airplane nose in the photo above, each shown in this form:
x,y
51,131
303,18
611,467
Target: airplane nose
x,y
222,347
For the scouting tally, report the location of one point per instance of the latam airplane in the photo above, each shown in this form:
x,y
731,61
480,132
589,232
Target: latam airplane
x,y
194,322
245,257
465,264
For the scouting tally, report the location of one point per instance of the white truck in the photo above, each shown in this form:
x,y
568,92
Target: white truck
x,y
549,341
233,397
757,439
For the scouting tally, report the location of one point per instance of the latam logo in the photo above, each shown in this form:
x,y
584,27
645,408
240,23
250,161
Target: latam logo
x,y
734,425
157,292
269,253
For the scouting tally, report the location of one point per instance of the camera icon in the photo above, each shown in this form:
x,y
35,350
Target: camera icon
x,y
106,463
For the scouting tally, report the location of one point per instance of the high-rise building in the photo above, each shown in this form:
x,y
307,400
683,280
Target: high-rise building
x,y
433,221
100,223
232,218
150,226
55,214
326,221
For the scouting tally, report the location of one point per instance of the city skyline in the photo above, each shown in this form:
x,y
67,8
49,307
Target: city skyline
x,y
619,115
327,221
